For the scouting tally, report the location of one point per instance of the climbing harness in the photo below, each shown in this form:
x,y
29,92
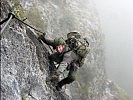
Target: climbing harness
x,y
12,16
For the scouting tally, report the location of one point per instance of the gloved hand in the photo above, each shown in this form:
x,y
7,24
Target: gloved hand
x,y
41,36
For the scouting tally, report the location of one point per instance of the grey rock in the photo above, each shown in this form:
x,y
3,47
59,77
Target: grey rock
x,y
24,60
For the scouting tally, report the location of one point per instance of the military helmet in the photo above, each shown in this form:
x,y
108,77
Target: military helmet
x,y
59,41
76,35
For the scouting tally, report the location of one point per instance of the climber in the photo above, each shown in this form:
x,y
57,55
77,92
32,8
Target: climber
x,y
71,51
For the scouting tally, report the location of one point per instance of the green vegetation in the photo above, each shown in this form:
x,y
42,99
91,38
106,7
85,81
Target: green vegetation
x,y
18,10
23,98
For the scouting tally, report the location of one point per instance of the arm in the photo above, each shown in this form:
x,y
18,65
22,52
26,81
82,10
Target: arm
x,y
47,41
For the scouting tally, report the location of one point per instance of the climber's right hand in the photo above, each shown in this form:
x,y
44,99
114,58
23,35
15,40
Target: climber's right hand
x,y
41,36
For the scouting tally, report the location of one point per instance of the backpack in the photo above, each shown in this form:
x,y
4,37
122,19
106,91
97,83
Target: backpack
x,y
78,44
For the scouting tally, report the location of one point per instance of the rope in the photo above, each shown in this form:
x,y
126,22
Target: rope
x,y
8,19
33,28
29,25
11,16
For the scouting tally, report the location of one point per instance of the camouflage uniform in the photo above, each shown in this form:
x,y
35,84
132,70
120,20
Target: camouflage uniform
x,y
69,57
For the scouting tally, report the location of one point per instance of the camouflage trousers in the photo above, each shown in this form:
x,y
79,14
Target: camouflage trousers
x,y
72,68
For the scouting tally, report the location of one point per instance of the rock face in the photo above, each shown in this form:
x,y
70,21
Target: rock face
x,y
24,66
24,60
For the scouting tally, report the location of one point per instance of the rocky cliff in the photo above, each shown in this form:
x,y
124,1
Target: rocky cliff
x,y
24,60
